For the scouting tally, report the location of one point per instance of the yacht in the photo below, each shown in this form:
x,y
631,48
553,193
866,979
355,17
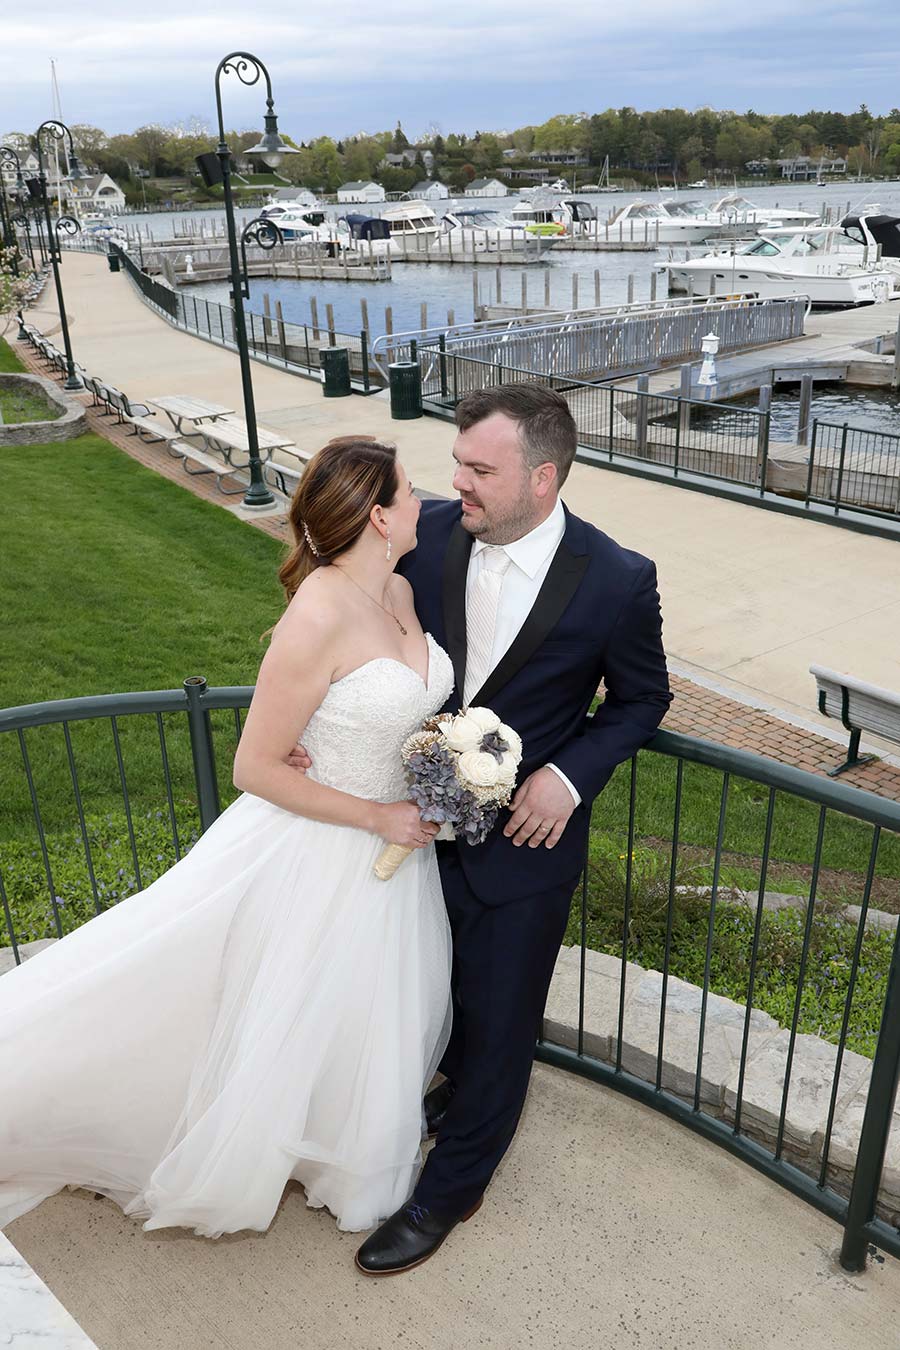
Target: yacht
x,y
540,214
411,218
307,224
824,264
490,230
642,219
735,209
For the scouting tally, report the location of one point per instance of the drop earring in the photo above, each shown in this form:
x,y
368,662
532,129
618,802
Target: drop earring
x,y
388,553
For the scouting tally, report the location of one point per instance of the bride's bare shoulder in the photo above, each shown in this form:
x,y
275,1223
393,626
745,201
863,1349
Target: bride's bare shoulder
x,y
315,614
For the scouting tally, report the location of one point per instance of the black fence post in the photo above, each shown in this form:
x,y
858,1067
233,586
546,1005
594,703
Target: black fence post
x,y
364,349
876,1126
202,751
442,346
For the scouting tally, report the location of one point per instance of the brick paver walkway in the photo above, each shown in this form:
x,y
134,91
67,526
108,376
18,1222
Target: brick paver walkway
x,y
696,710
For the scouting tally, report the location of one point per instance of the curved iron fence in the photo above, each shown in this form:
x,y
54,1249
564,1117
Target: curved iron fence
x,y
103,793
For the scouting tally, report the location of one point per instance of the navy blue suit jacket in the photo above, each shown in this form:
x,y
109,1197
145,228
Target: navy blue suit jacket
x,y
596,618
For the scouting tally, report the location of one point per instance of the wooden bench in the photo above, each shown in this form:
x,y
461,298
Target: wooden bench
x,y
860,707
206,464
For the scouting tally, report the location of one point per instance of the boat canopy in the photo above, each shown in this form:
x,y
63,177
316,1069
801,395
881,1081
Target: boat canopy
x,y
885,230
581,210
368,227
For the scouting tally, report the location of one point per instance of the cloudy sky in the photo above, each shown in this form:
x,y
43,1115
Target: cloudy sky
x,y
346,66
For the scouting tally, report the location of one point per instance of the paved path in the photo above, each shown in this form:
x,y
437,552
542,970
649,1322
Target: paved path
x,y
608,1227
750,597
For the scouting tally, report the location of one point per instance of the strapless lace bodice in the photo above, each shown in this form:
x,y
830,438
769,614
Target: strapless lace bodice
x,y
355,735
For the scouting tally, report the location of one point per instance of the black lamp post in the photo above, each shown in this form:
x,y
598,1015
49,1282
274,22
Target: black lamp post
x,y
271,150
64,224
8,222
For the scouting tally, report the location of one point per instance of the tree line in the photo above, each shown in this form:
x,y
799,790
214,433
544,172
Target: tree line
x,y
670,143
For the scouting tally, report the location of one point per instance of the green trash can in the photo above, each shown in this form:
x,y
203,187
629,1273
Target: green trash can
x,y
113,260
405,382
335,372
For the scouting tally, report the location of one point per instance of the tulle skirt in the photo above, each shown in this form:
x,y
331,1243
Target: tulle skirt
x,y
266,1010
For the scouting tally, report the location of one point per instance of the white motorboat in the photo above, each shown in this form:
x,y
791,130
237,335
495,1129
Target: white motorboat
x,y
540,214
483,229
734,209
641,220
412,218
302,224
828,268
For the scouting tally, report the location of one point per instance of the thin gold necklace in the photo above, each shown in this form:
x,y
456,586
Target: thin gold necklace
x,y
387,611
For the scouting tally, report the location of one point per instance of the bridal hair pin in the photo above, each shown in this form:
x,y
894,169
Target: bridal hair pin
x,y
308,537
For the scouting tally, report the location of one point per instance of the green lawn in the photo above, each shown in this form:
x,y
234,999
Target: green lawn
x,y
9,361
116,579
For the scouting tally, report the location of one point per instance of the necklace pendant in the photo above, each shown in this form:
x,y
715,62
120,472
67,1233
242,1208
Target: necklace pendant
x,y
402,629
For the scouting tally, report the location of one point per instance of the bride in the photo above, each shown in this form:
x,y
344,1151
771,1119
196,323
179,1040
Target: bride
x,y
267,1009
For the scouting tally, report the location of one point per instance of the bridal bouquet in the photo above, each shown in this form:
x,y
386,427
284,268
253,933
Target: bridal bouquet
x,y
461,769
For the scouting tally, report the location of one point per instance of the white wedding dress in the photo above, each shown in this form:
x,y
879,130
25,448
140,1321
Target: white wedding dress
x,y
266,1010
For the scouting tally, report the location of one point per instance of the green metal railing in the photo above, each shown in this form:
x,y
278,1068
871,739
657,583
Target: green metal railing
x,y
292,346
167,755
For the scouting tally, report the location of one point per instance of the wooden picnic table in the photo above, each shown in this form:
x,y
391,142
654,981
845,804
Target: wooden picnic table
x,y
181,408
230,436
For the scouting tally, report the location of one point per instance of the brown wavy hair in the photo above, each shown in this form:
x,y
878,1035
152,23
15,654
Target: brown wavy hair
x,y
333,500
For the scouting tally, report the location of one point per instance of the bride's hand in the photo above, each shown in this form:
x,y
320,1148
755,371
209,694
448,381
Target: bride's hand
x,y
400,823
299,758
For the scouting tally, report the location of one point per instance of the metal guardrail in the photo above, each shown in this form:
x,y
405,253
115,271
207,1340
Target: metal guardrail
x,y
854,467
607,343
40,746
293,346
850,471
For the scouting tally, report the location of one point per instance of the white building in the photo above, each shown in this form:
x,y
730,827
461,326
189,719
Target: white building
x,y
95,193
430,190
486,187
363,191
29,161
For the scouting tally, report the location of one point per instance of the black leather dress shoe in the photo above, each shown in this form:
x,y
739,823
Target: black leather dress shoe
x,y
436,1103
406,1239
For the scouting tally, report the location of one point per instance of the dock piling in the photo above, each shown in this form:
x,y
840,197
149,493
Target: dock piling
x,y
547,289
631,288
574,290
806,390
684,404
597,287
895,378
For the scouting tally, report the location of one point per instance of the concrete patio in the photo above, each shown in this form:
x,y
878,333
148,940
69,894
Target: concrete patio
x,y
608,1226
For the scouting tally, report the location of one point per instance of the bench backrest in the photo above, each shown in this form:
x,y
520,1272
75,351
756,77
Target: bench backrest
x,y
859,705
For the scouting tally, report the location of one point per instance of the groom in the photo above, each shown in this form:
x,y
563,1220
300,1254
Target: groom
x,y
535,607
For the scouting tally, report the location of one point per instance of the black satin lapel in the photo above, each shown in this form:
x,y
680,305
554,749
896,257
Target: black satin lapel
x,y
456,566
560,584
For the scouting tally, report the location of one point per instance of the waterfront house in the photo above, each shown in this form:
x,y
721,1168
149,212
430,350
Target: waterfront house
x,y
362,191
486,187
29,161
95,193
430,190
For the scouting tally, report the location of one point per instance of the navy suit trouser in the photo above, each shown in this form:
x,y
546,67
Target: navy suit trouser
x,y
503,960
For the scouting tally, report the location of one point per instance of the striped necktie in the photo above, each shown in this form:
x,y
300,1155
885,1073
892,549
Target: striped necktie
x,y
481,617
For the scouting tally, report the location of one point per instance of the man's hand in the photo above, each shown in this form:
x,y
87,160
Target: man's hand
x,y
540,810
299,759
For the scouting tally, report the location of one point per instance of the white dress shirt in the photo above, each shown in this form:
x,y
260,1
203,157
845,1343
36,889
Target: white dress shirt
x,y
530,559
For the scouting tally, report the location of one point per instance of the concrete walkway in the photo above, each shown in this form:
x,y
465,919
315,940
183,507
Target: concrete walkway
x,y
750,597
607,1227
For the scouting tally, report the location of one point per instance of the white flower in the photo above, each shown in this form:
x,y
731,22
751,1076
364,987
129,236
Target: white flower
x,y
479,768
484,718
507,769
462,733
512,738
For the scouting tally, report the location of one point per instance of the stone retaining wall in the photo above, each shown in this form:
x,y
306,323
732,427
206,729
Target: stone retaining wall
x,y
72,422
812,1071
